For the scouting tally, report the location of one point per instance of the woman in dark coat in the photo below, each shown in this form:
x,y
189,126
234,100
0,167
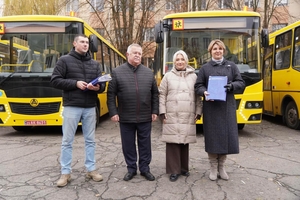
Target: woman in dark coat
x,y
219,117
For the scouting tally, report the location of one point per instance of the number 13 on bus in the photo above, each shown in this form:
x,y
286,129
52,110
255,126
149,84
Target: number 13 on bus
x,y
243,37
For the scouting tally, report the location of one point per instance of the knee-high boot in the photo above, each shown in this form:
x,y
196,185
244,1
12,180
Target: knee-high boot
x,y
221,167
213,160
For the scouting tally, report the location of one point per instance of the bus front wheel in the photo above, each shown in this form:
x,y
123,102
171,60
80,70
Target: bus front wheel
x,y
241,126
291,116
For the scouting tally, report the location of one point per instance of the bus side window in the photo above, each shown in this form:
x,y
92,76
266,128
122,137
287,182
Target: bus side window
x,y
283,50
283,59
286,59
50,60
278,59
297,56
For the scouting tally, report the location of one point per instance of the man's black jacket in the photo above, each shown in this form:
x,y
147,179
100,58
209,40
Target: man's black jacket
x,y
72,68
136,92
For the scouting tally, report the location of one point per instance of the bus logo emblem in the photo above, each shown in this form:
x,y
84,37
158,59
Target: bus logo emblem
x,y
34,102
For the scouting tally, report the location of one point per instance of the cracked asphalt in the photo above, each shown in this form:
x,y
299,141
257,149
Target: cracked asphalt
x,y
268,167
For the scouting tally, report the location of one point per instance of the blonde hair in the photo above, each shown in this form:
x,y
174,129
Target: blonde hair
x,y
183,54
217,42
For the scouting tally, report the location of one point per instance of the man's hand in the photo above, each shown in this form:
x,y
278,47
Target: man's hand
x,y
92,87
115,118
81,85
154,117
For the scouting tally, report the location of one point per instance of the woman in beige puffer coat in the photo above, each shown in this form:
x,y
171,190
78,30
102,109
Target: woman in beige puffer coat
x,y
179,109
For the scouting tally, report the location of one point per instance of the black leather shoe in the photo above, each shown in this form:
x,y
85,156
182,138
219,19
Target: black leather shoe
x,y
173,177
148,176
129,175
185,173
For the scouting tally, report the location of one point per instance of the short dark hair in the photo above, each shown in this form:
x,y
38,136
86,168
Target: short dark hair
x,y
79,35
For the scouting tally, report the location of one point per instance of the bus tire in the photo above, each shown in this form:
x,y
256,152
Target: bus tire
x,y
291,116
22,128
241,126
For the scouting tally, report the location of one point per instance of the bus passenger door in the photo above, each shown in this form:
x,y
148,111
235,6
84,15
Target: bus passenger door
x,y
267,81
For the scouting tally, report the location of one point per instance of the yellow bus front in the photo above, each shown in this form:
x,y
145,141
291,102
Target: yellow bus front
x,y
193,31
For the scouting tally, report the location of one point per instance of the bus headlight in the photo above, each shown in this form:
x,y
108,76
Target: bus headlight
x,y
255,117
253,104
2,108
249,105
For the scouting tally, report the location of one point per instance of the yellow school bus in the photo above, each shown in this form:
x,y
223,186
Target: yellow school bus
x,y
239,30
281,74
29,49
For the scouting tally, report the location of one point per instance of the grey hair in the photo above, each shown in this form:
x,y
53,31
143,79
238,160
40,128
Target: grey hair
x,y
183,54
133,45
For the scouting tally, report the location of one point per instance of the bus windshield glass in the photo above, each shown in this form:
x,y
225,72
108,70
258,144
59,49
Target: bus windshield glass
x,y
35,46
193,35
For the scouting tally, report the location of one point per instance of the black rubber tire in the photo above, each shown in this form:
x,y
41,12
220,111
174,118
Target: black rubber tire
x,y
291,116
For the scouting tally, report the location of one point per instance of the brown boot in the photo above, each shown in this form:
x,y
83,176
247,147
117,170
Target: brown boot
x,y
94,175
221,167
63,180
213,160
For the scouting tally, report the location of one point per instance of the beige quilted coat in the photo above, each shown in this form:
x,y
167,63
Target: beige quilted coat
x,y
177,100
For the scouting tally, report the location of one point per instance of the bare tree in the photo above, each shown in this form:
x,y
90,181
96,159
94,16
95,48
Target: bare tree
x,y
126,22
32,7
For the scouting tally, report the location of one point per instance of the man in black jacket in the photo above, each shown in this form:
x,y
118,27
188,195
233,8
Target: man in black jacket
x,y
135,89
72,74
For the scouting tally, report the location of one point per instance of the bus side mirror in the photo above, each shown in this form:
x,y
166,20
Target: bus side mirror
x,y
93,46
158,32
264,38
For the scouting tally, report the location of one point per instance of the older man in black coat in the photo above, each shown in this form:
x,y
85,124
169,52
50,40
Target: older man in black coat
x,y
132,100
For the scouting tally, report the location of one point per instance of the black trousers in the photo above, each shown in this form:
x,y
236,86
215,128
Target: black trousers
x,y
177,158
129,133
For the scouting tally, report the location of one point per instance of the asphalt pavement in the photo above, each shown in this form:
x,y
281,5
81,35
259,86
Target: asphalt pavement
x,y
267,168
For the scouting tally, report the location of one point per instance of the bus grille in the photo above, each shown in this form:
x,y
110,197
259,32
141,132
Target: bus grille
x,y
41,109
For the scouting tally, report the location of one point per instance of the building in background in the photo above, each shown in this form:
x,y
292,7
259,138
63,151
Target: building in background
x,y
286,12
104,15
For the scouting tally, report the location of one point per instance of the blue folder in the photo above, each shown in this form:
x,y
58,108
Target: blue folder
x,y
216,88
101,79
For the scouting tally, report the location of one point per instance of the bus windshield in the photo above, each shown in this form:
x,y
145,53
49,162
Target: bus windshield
x,y
240,36
37,51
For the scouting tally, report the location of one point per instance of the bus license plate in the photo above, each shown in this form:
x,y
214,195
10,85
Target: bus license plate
x,y
35,122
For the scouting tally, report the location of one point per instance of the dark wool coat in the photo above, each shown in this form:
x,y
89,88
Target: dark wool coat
x,y
136,92
72,68
219,117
